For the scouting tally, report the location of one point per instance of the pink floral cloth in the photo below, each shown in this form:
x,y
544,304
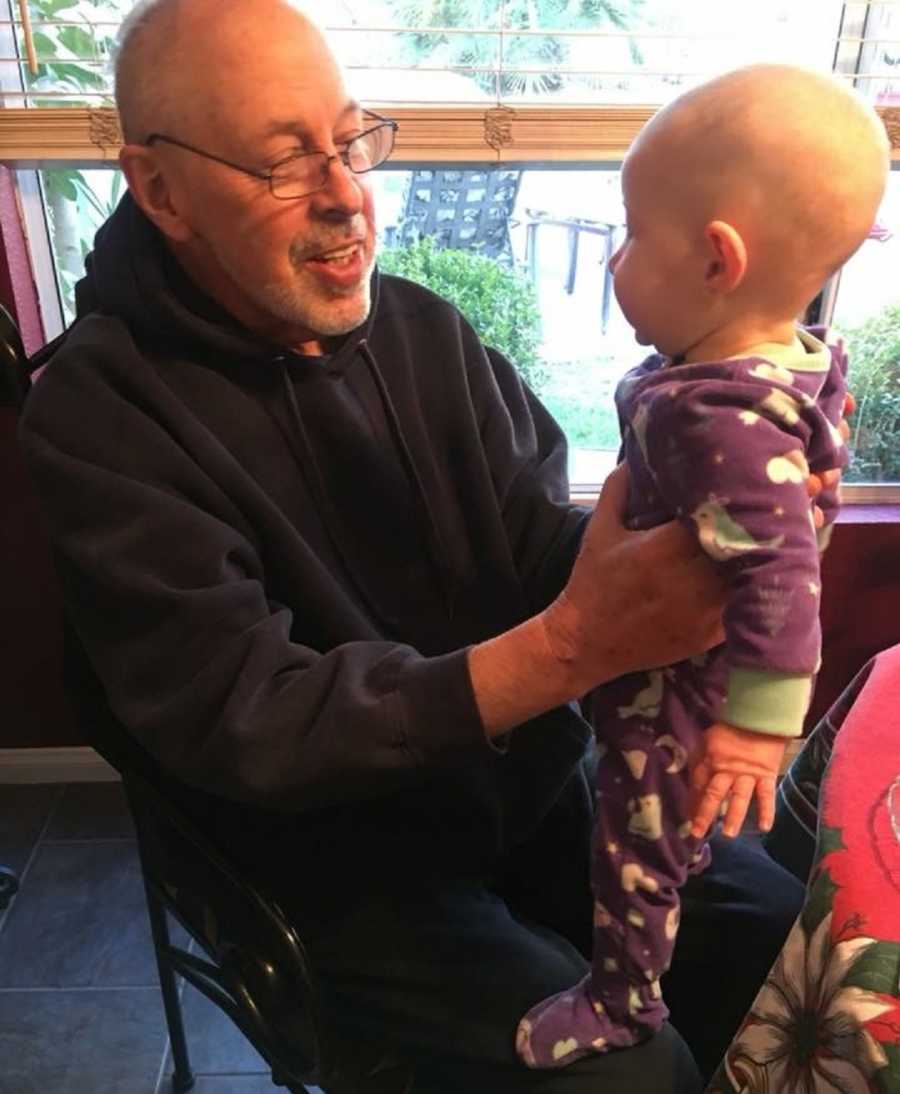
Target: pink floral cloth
x,y
827,1020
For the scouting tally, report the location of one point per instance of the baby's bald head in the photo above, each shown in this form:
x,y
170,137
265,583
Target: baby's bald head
x,y
795,160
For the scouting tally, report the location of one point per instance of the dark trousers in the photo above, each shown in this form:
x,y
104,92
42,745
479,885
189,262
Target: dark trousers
x,y
444,970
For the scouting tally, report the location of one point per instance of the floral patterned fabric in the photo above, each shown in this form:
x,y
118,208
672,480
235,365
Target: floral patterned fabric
x,y
827,1020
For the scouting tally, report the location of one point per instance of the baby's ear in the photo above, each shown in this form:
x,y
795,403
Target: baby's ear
x,y
727,257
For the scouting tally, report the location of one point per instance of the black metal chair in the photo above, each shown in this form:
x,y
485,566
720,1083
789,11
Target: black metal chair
x,y
459,208
9,885
253,964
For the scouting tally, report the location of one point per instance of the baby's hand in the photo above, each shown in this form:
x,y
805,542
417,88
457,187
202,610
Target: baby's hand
x,y
733,764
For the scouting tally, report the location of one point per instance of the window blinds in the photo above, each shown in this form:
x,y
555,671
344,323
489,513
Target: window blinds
x,y
548,52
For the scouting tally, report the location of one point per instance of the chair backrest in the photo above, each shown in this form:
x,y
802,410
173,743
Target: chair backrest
x,y
462,209
261,976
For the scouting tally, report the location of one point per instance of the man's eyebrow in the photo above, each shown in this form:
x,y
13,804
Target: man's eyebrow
x,y
292,126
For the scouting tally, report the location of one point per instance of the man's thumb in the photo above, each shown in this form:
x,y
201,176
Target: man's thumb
x,y
613,498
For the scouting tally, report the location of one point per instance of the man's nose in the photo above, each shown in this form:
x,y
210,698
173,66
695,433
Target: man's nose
x,y
342,192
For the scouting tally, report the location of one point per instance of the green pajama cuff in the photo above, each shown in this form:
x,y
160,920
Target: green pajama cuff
x,y
767,702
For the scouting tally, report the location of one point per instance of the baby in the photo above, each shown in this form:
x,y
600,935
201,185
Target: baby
x,y
742,197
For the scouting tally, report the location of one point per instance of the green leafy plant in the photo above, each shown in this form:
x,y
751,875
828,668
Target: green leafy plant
x,y
500,303
530,59
874,349
73,45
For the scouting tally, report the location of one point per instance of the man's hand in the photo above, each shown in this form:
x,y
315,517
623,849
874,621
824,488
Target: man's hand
x,y
735,764
635,600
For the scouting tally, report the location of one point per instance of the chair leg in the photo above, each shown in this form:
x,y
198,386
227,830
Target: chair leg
x,y
183,1078
609,251
279,1080
531,250
573,259
9,885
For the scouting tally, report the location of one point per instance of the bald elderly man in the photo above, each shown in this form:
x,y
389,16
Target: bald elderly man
x,y
316,540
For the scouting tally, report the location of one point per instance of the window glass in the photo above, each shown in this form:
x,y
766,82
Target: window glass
x,y
867,313
524,254
72,40
547,232
587,51
551,309
76,203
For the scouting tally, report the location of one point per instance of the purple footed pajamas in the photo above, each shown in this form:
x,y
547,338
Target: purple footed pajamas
x,y
725,447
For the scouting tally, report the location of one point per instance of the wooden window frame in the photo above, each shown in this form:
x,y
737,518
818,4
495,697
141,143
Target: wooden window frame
x,y
91,137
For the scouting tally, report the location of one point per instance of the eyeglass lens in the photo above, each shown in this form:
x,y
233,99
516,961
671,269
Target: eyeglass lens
x,y
305,174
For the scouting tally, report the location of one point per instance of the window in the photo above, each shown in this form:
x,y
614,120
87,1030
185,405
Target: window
x,y
867,312
541,98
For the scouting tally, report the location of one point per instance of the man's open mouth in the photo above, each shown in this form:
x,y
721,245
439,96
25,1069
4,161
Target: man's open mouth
x,y
340,256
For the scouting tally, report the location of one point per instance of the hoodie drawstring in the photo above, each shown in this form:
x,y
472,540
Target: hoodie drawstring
x,y
304,452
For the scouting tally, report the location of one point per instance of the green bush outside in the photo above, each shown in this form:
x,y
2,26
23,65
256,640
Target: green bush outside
x,y
874,379
500,303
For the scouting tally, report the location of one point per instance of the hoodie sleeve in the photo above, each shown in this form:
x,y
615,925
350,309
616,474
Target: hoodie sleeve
x,y
196,661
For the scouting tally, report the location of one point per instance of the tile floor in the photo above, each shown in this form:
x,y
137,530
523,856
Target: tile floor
x,y
80,1010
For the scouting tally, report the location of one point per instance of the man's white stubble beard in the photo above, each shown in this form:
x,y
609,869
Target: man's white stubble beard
x,y
322,316
287,301
328,314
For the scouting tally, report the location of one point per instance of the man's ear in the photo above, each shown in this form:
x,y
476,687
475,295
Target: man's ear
x,y
727,257
152,190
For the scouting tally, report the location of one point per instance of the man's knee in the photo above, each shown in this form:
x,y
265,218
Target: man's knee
x,y
744,888
661,1065
736,916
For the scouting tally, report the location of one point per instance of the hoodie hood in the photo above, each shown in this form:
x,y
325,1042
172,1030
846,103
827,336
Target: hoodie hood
x,y
132,274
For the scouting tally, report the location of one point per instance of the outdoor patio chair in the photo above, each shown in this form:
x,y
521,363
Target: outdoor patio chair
x,y
459,208
575,227
249,959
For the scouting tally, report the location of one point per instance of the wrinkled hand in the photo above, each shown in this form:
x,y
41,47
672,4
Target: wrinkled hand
x,y
815,484
734,765
635,600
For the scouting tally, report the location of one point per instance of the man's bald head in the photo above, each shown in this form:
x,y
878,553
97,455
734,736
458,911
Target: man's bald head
x,y
792,156
178,62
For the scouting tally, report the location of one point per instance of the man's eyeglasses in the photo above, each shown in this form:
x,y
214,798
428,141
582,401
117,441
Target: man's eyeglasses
x,y
304,173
